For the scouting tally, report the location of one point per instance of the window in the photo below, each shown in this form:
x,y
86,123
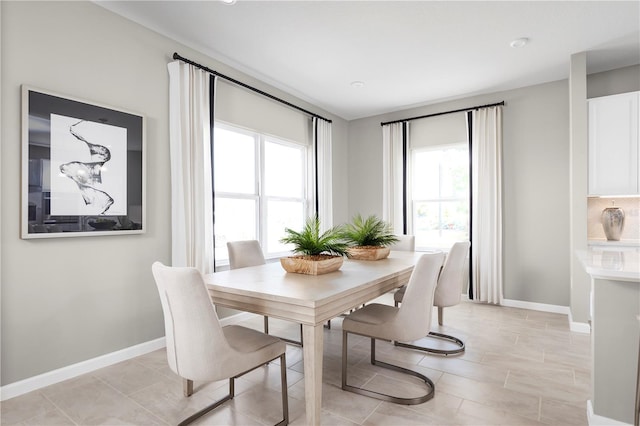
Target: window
x,y
440,195
260,185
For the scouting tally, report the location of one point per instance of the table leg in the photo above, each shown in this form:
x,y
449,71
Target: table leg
x,y
312,351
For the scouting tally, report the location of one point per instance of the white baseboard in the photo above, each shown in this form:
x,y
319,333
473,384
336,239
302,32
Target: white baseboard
x,y
579,327
596,420
69,372
65,373
556,309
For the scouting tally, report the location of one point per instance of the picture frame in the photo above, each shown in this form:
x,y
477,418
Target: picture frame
x,y
83,168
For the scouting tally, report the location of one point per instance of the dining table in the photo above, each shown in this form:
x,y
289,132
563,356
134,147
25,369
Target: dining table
x,y
310,300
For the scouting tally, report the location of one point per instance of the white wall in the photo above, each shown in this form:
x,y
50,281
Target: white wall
x,y
341,174
536,184
621,80
66,300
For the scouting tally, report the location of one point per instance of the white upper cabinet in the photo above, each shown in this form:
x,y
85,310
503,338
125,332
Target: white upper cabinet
x,y
613,145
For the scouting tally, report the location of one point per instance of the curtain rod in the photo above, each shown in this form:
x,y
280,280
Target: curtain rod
x,y
246,86
442,113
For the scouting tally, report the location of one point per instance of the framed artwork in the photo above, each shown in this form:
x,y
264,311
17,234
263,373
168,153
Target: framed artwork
x,y
83,168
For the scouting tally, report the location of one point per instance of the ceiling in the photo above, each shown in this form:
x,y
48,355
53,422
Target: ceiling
x,y
407,54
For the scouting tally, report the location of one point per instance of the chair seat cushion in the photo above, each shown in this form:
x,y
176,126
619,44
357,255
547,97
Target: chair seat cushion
x,y
375,320
243,339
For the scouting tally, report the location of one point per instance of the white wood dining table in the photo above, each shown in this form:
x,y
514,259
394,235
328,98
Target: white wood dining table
x,y
310,300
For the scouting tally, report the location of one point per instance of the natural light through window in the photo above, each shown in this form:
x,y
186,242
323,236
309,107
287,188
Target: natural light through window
x,y
260,189
236,169
440,195
281,163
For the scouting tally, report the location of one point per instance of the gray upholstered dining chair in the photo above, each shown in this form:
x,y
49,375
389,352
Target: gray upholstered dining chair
x,y
199,348
405,243
448,293
410,321
245,253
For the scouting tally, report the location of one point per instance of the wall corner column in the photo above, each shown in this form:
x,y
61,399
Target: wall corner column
x,y
578,187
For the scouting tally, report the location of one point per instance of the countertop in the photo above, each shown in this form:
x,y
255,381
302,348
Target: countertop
x,y
607,243
620,263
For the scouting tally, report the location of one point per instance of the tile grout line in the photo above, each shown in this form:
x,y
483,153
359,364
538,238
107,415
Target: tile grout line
x,y
371,413
371,379
539,408
58,408
131,399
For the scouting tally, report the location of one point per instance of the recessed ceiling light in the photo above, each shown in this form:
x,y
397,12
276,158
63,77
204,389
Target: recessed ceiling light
x,y
357,84
228,1
519,42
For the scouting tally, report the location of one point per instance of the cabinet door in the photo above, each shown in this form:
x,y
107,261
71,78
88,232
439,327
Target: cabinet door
x,y
613,145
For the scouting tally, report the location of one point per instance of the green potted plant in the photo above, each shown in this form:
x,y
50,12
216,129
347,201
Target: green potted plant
x,y
369,238
316,253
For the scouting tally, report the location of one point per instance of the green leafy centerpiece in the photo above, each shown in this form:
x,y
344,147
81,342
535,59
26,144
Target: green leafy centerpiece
x,y
317,253
369,238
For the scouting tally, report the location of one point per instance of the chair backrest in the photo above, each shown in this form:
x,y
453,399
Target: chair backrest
x,y
196,346
414,315
245,253
405,243
452,277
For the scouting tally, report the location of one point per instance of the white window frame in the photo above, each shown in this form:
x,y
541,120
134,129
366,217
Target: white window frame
x,y
260,198
440,199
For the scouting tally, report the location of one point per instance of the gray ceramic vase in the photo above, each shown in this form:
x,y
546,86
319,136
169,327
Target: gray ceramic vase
x,y
612,222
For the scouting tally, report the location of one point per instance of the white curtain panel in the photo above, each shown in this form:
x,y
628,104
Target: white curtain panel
x,y
392,166
325,181
190,152
486,232
408,186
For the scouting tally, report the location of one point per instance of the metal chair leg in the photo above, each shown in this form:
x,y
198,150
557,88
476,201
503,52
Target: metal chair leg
x,y
284,339
208,408
285,397
378,395
435,335
187,387
440,336
211,407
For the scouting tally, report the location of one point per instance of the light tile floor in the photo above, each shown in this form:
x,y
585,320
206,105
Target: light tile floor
x,y
520,367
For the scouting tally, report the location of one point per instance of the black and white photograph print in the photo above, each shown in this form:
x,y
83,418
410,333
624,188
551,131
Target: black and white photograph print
x,y
88,166
82,168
